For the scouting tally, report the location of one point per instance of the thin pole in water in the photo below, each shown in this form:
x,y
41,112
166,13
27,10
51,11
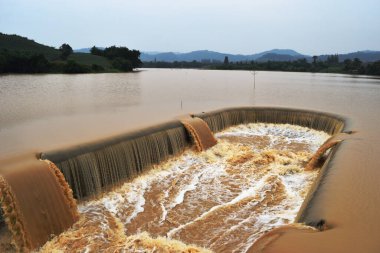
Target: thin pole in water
x,y
254,79
181,104
254,83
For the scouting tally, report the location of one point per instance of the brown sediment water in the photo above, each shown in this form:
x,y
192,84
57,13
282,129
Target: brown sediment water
x,y
94,167
268,238
201,133
36,201
320,152
91,168
81,108
221,200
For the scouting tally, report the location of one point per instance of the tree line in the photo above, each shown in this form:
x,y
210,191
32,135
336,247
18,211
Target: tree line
x,y
330,65
24,62
121,58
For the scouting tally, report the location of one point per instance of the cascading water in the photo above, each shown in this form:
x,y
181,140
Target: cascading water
x,y
221,200
227,186
36,202
201,133
92,168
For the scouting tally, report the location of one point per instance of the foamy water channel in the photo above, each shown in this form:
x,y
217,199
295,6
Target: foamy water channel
x,y
220,200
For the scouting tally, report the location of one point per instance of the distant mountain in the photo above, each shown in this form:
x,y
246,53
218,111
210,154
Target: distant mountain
x,y
280,57
85,50
271,55
206,55
364,56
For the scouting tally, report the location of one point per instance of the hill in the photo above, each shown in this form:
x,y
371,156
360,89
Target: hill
x,y
25,46
21,44
279,55
364,56
206,55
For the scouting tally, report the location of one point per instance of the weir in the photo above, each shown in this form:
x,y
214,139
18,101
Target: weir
x,y
221,119
36,202
91,168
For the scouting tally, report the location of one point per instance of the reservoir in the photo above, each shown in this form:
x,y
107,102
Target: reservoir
x,y
45,112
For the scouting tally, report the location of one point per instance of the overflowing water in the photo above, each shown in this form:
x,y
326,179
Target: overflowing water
x,y
36,202
220,200
42,112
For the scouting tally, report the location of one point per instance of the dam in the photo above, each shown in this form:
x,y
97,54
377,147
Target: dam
x,y
253,176
311,212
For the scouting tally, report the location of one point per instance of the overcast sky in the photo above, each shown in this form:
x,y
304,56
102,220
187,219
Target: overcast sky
x,y
230,26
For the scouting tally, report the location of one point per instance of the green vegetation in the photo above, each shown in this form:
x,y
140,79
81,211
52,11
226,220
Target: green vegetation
x,y
22,55
330,65
25,46
89,59
65,50
121,57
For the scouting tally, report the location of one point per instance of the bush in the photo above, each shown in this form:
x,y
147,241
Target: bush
x,y
71,67
96,68
122,64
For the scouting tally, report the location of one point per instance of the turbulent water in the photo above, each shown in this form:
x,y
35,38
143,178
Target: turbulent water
x,y
42,112
219,200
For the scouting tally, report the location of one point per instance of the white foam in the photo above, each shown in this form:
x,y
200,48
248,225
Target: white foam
x,y
138,198
111,203
289,133
206,174
244,194
190,187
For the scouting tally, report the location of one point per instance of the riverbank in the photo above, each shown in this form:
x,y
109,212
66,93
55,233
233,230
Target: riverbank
x,y
353,67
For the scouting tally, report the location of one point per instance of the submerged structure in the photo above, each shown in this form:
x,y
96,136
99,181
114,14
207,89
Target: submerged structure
x,y
94,168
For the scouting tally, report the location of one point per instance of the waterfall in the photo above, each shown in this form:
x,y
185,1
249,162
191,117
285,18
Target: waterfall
x,y
36,198
221,119
91,168
201,133
36,202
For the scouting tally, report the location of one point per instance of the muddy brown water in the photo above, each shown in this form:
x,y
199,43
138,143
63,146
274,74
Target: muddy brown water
x,y
220,199
41,112
36,201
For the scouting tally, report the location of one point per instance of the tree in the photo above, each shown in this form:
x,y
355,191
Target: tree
x,y
315,59
66,50
121,57
226,61
373,68
122,64
347,65
333,59
96,51
357,63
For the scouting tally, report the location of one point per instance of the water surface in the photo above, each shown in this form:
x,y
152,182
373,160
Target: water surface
x,y
40,112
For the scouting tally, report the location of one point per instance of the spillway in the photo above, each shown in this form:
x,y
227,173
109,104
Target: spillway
x,y
147,189
36,202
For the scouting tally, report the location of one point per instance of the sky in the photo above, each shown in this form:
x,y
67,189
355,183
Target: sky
x,y
310,27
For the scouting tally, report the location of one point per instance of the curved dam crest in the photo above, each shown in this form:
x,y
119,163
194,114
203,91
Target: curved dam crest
x,y
92,168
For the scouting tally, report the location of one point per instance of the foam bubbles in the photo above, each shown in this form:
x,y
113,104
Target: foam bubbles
x,y
222,199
